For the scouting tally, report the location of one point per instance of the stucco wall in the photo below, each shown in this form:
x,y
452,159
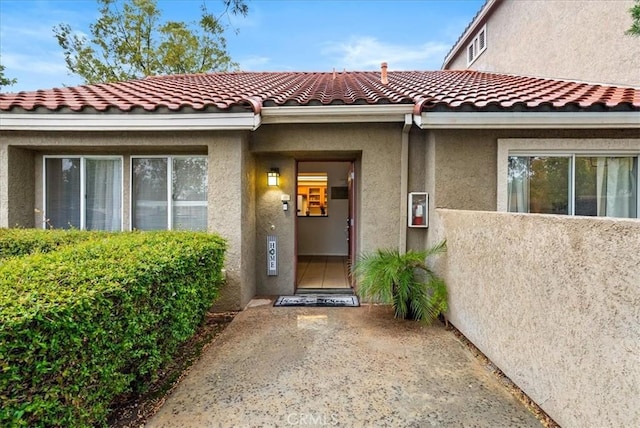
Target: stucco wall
x,y
581,40
4,184
231,214
465,169
554,302
272,220
417,182
376,149
231,192
21,187
17,186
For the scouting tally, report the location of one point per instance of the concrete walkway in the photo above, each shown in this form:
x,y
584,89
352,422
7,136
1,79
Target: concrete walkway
x,y
338,367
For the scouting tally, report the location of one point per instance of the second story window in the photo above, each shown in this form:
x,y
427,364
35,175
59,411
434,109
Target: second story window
x,y
477,45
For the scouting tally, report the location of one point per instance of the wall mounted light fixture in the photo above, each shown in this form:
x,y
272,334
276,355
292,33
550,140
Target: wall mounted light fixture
x,y
273,177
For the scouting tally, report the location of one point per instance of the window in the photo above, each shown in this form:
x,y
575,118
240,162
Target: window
x,y
169,193
477,45
312,194
574,184
83,193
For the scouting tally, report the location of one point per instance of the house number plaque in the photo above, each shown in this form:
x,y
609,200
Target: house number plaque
x,y
272,256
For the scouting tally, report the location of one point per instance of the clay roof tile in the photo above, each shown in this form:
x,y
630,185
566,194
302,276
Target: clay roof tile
x,y
448,89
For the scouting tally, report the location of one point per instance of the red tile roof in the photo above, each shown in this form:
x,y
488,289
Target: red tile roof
x,y
430,90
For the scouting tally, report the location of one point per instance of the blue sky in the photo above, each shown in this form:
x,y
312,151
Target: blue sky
x,y
277,35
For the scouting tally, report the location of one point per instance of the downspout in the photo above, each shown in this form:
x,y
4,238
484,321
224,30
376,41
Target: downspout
x,y
404,169
404,182
256,106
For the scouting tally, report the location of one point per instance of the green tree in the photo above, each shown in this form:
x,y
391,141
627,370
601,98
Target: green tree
x,y
130,40
5,81
634,30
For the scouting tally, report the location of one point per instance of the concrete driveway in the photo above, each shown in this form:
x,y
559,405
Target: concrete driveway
x,y
338,367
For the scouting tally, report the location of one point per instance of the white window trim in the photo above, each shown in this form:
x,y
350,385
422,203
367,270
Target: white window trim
x,y
561,148
170,202
83,184
475,45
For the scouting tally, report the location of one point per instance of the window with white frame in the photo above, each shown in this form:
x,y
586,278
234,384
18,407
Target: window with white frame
x,y
477,45
574,184
169,193
83,192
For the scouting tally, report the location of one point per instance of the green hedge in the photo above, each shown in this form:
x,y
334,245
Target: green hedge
x,y
85,323
20,242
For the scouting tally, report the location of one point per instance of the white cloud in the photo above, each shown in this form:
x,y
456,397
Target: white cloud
x,y
28,48
37,71
254,63
366,53
37,64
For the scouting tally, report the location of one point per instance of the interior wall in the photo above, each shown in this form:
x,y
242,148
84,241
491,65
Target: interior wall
x,y
326,236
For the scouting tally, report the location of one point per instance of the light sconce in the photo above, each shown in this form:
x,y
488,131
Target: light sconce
x,y
273,177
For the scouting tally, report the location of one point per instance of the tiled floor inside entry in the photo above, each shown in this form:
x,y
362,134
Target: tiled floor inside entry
x,y
322,272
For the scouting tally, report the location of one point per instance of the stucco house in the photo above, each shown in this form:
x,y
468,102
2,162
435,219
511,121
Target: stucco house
x,y
579,40
538,294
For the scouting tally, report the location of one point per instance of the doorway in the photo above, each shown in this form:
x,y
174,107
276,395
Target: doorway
x,y
324,225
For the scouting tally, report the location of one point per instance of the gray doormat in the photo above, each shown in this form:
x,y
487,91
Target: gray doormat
x,y
326,300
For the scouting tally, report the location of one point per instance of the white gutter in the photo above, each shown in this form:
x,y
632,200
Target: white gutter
x,y
528,120
404,182
336,114
129,122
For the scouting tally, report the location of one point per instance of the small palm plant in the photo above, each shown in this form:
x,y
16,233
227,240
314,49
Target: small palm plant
x,y
404,280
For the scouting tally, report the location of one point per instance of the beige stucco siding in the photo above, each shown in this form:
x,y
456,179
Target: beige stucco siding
x,y
553,301
17,186
231,214
4,184
123,144
581,40
21,186
465,169
231,193
417,182
272,220
376,150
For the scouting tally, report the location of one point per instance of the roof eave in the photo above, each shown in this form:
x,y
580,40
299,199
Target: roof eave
x,y
336,114
129,122
468,33
528,120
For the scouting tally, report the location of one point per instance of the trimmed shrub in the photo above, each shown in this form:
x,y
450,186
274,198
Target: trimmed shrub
x,y
83,324
20,242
